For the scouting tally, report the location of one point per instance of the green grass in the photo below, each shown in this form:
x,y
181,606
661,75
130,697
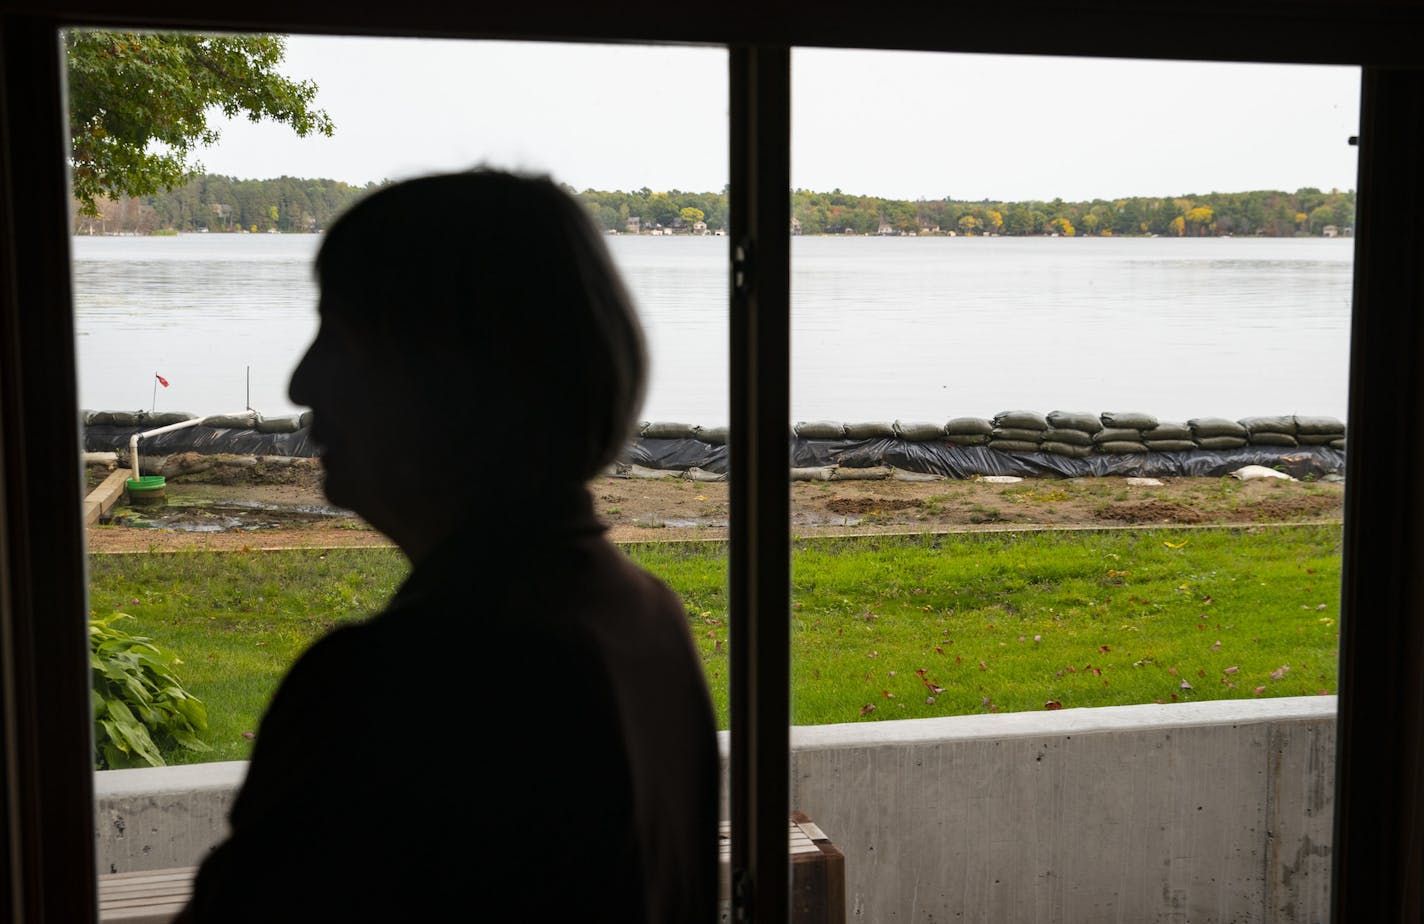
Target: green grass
x,y
892,627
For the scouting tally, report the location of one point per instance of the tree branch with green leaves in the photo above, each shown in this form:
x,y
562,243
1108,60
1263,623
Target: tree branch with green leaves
x,y
139,104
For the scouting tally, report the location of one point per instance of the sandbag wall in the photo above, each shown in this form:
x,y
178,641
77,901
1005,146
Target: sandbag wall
x,y
1023,443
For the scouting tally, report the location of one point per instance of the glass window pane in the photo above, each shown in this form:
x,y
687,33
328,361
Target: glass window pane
x,y
1070,345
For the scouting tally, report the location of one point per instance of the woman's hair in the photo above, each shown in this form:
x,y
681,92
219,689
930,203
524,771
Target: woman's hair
x,y
499,288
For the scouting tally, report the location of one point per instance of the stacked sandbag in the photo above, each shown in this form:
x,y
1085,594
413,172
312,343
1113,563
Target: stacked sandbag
x,y
1169,437
918,431
1122,432
664,430
716,436
1276,431
1070,433
870,430
1018,431
969,431
819,430
1217,433
133,418
1320,431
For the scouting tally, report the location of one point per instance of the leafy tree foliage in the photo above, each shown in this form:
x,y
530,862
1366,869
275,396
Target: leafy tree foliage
x,y
139,104
220,203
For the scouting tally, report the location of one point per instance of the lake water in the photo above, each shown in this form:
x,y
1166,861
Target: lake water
x,y
883,328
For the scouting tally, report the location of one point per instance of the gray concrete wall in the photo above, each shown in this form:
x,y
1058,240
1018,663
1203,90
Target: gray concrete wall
x,y
1188,813
1191,813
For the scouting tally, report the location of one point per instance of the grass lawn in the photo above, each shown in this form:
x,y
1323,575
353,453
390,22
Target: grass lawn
x,y
887,627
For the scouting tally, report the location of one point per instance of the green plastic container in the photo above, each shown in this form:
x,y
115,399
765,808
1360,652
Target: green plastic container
x,y
148,489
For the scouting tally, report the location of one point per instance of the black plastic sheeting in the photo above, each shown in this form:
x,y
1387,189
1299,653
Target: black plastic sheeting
x,y
926,457
235,440
968,461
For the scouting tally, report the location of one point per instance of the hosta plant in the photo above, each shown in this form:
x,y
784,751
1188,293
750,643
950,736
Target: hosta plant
x,y
140,706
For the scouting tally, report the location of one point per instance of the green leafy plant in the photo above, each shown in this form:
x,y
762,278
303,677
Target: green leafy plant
x,y
140,706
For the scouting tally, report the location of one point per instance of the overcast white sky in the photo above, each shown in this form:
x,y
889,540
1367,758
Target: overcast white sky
x,y
900,125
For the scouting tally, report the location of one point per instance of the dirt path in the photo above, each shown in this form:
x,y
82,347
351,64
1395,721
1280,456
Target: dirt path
x,y
284,508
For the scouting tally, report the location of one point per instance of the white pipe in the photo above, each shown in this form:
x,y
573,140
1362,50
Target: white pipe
x,y
133,440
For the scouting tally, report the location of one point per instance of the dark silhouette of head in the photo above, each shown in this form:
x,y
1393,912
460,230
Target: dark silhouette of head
x,y
478,318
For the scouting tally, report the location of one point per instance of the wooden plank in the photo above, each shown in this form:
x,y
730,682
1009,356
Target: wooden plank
x,y
146,896
103,498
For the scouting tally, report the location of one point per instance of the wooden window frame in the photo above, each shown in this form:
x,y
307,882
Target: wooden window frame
x,y
1378,849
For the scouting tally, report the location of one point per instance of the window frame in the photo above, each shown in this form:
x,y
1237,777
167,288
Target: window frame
x,y
1378,868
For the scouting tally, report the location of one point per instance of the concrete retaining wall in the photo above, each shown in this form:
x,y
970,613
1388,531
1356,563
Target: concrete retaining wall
x,y
1201,812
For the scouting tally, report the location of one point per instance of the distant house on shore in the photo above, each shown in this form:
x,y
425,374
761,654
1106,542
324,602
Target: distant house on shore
x,y
795,225
633,225
885,229
1330,231
699,227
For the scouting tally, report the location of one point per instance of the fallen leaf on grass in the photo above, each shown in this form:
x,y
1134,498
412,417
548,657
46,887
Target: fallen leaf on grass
x,y
1231,670
1175,545
1258,691
1280,672
1104,648
249,735
1216,645
1185,686
867,709
1053,704
929,700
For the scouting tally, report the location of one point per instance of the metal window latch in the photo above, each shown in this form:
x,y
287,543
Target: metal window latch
x,y
741,269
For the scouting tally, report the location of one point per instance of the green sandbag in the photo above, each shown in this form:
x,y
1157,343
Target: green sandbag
x,y
1221,442
1071,437
1267,438
1319,426
1116,447
1066,449
820,430
968,439
1075,420
1013,446
1318,439
870,430
1169,445
279,424
1130,420
1117,435
1337,444
1021,420
232,421
1278,424
962,425
1168,431
306,419
918,432
1215,426
717,436
1018,435
661,430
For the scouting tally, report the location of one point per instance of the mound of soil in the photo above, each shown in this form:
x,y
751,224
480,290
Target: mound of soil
x,y
1154,511
862,505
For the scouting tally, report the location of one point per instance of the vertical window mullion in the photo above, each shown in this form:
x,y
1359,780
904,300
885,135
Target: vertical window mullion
x,y
48,755
759,492
1378,843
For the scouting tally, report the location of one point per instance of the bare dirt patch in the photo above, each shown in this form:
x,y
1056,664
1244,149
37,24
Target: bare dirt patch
x,y
651,510
1153,511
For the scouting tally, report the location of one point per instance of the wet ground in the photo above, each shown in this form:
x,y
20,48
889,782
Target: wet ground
x,y
281,505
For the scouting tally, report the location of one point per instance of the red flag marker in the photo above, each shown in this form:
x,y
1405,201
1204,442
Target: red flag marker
x,y
161,380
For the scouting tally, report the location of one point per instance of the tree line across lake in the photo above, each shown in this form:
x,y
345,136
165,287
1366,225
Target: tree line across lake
x,y
290,204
